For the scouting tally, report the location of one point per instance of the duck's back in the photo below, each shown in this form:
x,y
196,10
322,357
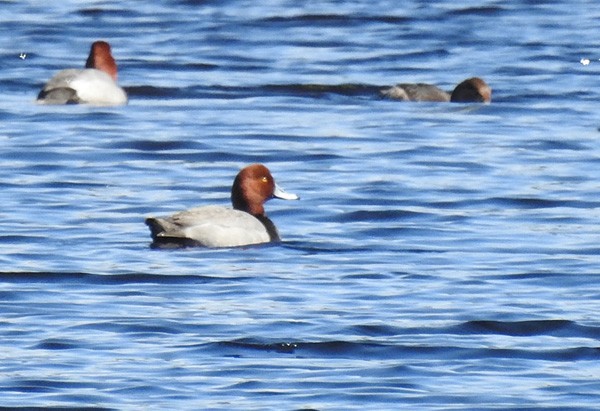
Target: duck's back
x,y
209,226
416,92
82,86
58,90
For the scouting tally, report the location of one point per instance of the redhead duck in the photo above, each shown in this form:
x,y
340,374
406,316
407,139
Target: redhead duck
x,y
473,90
95,84
216,226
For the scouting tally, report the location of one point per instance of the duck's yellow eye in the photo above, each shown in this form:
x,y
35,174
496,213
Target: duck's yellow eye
x,y
264,179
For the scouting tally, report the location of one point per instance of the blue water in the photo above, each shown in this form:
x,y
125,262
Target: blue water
x,y
442,257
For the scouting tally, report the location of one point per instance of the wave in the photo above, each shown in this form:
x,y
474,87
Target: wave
x,y
379,350
237,92
112,279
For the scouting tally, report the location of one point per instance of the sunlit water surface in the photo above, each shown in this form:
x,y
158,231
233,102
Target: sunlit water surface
x,y
442,256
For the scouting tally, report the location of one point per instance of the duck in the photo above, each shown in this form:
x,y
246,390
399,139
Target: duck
x,y
471,90
216,226
96,84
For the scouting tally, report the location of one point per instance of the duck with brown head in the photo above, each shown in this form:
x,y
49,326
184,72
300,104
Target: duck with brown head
x,y
215,226
471,90
96,84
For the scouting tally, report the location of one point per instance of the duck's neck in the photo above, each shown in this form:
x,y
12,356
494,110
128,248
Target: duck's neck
x,y
250,205
271,229
105,63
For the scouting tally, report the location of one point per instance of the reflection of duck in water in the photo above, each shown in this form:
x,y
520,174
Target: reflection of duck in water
x,y
473,90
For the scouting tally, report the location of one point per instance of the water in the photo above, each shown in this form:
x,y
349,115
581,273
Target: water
x,y
442,256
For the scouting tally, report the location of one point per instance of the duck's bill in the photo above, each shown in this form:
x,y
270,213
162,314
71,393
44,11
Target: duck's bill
x,y
280,193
